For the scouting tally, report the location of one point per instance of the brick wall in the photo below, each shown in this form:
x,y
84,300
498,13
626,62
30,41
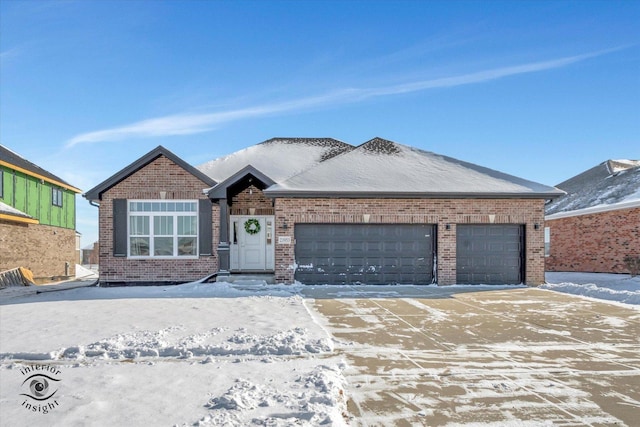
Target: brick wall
x,y
290,211
594,243
147,183
43,249
251,198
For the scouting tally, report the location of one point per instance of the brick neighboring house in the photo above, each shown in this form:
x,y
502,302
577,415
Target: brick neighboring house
x,y
318,210
37,219
597,223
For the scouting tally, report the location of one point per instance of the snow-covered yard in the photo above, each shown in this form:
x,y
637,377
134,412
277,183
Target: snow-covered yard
x,y
223,354
610,287
191,354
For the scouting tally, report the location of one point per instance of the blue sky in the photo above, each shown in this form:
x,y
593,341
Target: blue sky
x,y
542,90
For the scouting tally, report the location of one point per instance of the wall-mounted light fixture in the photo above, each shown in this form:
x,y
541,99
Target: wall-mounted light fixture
x,y
536,226
284,225
447,227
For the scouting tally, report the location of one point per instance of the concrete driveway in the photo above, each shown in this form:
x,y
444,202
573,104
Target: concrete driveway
x,y
458,356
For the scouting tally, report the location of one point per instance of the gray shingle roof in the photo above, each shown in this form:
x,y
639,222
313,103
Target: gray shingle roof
x,y
610,182
278,158
15,159
382,168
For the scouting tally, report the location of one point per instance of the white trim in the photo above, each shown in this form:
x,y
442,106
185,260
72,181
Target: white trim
x,y
595,209
154,213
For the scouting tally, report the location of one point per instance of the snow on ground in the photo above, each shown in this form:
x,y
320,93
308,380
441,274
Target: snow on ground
x,y
612,287
195,354
245,353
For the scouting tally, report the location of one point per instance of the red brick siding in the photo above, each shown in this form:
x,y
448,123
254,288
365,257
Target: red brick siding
x,y
594,243
290,211
251,197
147,183
43,249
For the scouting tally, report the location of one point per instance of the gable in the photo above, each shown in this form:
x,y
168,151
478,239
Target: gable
x,y
154,175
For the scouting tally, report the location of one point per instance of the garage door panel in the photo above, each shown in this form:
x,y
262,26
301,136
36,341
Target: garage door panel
x,y
365,253
491,254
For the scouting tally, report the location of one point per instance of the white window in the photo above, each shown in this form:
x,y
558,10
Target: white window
x,y
163,228
547,241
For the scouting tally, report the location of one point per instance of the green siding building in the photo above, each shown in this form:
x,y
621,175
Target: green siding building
x,y
37,218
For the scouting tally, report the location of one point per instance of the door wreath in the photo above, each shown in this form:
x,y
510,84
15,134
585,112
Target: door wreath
x,y
252,226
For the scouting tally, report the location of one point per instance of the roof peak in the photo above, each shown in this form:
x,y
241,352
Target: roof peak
x,y
379,145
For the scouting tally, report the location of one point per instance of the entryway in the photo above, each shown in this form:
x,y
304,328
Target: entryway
x,y
251,243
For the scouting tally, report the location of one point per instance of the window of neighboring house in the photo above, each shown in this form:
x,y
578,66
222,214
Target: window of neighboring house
x,y
56,196
163,228
547,241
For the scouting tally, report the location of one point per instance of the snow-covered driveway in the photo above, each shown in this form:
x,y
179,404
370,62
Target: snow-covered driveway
x,y
519,356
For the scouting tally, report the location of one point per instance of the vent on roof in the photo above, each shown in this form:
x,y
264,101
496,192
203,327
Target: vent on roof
x,y
381,146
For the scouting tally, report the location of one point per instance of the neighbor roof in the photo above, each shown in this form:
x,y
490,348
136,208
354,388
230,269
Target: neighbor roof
x,y
96,192
15,161
609,183
386,169
277,158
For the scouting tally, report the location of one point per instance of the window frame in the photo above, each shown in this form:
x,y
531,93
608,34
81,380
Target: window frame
x,y
547,241
56,200
153,210
1,183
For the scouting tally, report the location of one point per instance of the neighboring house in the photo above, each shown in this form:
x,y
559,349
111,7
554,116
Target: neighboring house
x,y
90,254
37,219
597,223
320,211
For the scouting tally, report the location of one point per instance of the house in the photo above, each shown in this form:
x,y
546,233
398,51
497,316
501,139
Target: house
x,y
90,254
318,210
37,219
597,223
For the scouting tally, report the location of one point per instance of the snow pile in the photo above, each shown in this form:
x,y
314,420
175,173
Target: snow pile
x,y
612,287
158,344
594,291
315,398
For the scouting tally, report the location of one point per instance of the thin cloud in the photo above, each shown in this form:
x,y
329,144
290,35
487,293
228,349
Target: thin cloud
x,y
184,124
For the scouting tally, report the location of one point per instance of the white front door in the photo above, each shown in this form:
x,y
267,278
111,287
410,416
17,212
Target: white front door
x,y
252,243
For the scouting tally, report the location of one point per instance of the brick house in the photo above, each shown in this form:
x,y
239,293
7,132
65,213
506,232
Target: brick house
x,y
37,219
321,211
597,223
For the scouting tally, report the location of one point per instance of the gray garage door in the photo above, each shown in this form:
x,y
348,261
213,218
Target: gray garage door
x,y
364,253
491,254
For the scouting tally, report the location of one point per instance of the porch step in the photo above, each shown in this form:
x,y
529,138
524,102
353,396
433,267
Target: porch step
x,y
248,278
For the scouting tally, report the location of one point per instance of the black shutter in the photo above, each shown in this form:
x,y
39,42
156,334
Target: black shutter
x,y
205,227
120,227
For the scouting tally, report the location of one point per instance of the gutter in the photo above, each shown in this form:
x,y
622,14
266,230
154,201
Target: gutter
x,y
407,195
595,209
